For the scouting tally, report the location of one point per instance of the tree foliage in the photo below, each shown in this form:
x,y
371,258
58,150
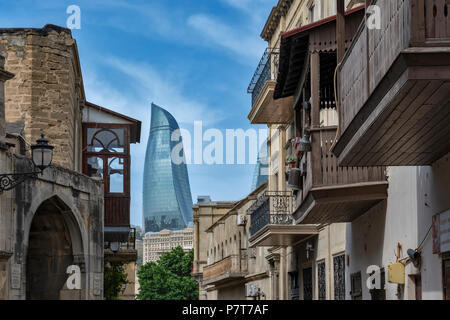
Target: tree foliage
x,y
169,279
115,277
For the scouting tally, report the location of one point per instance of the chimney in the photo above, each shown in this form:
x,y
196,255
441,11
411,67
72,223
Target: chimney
x,y
4,76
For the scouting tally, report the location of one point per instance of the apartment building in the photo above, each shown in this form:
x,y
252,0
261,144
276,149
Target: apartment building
x,y
359,145
311,256
394,112
155,244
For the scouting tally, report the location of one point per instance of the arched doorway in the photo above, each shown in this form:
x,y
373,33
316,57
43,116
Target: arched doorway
x,y
52,238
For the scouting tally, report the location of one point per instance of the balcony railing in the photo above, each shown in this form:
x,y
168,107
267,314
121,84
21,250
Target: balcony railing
x,y
264,72
130,244
272,208
382,117
233,265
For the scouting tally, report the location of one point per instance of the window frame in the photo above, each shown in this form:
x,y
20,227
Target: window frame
x,y
108,156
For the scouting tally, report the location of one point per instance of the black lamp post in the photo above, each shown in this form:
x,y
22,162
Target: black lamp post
x,y
41,154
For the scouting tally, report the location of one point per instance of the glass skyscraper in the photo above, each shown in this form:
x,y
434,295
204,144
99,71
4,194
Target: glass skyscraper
x,y
167,200
261,173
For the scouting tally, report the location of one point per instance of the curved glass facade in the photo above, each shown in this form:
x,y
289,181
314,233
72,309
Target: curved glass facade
x,y
261,173
167,200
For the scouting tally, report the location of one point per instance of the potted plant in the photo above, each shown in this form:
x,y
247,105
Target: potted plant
x,y
292,161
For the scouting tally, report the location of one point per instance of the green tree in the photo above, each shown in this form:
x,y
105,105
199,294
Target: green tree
x,y
115,277
169,279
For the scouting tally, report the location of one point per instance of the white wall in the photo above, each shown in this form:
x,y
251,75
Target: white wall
x,y
415,194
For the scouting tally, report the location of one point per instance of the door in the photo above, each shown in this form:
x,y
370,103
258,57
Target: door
x,y
307,284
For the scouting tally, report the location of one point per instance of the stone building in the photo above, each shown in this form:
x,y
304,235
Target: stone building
x,y
232,268
206,212
56,218
157,243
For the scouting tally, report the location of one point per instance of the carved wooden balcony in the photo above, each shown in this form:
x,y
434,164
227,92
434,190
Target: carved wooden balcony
x,y
394,88
333,194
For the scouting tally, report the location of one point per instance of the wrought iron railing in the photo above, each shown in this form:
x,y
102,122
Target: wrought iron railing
x,y
264,72
272,208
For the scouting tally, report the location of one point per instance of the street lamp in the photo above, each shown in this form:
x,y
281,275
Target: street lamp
x,y
41,154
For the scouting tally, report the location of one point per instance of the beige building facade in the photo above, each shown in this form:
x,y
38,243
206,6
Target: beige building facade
x,y
346,160
206,213
156,244
231,270
306,257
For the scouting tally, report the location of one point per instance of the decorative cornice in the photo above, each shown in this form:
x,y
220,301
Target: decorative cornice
x,y
273,21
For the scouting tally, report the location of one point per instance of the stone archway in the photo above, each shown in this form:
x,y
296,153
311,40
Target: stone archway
x,y
53,239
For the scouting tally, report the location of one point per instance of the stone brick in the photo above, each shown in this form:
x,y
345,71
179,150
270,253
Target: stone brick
x,y
44,91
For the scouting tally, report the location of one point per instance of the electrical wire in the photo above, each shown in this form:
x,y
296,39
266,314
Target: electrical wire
x,y
419,248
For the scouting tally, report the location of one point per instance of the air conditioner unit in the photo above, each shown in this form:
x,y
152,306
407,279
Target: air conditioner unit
x,y
251,290
241,220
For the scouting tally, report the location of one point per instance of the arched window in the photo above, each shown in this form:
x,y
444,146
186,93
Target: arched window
x,y
105,140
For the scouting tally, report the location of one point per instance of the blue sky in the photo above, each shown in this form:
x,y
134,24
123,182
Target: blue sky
x,y
193,57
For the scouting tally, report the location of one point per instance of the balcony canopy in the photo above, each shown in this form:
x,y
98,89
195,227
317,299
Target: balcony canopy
x,y
298,43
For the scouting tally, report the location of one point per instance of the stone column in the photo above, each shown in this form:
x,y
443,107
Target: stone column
x,y
4,76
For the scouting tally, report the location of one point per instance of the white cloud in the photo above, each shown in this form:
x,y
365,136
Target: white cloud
x,y
252,7
154,87
236,40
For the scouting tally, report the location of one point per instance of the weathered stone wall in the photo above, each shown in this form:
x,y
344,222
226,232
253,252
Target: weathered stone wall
x,y
79,200
46,92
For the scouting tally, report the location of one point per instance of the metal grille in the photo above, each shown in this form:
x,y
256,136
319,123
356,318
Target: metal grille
x,y
263,73
356,286
321,278
339,277
271,208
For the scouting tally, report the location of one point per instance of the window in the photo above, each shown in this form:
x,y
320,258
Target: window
x,y
356,286
115,173
294,283
321,281
95,167
339,277
106,140
106,156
